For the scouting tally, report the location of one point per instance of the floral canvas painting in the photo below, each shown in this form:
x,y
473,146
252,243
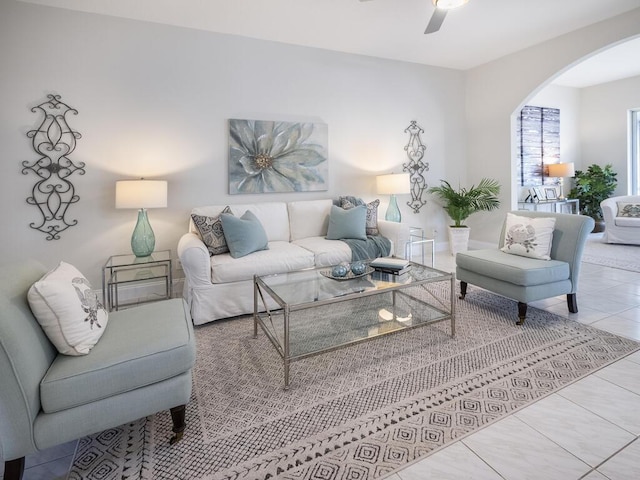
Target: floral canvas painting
x,y
269,156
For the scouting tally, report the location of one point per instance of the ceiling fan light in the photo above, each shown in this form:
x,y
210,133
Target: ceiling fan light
x,y
448,4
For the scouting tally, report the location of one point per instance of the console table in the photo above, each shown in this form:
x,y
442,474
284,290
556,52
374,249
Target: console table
x,y
557,206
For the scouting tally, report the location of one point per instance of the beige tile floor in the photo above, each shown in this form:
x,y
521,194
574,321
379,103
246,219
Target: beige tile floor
x,y
588,430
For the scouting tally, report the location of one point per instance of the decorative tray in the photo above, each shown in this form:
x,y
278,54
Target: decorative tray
x,y
348,276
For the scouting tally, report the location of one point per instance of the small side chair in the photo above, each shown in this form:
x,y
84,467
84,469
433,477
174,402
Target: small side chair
x,y
141,365
527,279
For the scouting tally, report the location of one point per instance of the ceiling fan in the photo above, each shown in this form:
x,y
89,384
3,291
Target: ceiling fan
x,y
442,7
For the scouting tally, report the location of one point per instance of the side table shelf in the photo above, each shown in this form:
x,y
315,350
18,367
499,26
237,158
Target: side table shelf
x,y
417,239
129,270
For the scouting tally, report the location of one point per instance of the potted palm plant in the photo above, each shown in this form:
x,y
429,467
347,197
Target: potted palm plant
x,y
460,203
592,187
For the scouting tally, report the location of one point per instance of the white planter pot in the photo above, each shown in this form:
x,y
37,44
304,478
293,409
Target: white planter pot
x,y
458,239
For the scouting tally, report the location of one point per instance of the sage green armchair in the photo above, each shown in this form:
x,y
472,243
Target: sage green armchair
x,y
141,365
527,279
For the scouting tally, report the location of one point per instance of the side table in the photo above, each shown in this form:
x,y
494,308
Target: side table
x,y
417,239
121,270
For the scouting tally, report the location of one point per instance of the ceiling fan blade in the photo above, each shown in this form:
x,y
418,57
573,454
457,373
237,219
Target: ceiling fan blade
x,y
436,20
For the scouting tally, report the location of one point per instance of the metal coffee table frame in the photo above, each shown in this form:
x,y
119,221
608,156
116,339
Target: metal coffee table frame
x,y
276,321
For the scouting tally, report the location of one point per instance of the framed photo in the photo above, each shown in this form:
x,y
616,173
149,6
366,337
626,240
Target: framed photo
x,y
533,196
539,194
551,193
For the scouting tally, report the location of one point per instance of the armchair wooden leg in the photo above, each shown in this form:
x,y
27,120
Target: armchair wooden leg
x,y
463,290
13,469
522,313
572,302
178,418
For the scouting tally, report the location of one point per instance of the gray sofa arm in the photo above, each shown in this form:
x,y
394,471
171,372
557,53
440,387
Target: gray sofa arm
x,y
398,233
195,260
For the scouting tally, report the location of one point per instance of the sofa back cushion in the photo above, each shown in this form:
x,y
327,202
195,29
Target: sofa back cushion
x,y
272,215
309,218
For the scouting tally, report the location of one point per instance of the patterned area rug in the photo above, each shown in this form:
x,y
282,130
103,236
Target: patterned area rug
x,y
626,257
361,412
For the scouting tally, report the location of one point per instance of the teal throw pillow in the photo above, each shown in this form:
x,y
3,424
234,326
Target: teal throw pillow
x,y
349,223
244,235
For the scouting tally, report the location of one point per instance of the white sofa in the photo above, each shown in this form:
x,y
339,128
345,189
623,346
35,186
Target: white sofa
x,y
220,286
620,229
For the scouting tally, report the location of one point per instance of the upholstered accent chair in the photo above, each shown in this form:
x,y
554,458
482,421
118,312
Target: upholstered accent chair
x,y
527,279
141,365
622,219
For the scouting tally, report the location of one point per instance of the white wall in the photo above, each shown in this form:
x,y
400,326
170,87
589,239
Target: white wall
x,y
154,101
593,123
604,126
567,99
497,90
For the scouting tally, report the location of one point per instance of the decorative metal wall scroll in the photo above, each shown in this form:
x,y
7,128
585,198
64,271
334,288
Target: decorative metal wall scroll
x,y
415,151
53,193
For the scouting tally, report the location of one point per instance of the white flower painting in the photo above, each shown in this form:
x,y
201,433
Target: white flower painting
x,y
269,156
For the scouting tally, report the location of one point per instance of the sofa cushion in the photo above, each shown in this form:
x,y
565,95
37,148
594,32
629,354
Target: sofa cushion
x,y
280,257
627,222
210,230
326,252
528,237
309,218
272,215
244,235
347,223
68,310
514,269
140,346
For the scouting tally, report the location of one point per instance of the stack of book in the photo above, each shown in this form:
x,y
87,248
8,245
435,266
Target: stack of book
x,y
392,265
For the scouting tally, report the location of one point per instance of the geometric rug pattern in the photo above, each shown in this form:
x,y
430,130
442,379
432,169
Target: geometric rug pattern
x,y
360,412
625,257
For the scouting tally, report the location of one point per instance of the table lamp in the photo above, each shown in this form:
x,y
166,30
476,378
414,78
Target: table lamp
x,y
142,194
393,184
562,170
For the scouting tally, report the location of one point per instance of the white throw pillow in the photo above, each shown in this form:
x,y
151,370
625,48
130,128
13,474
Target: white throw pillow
x,y
68,310
628,209
529,237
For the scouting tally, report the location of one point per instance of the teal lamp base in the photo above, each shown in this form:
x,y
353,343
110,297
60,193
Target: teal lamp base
x,y
393,212
143,241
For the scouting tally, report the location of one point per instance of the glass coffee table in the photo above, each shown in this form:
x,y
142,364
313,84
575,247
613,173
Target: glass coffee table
x,y
306,312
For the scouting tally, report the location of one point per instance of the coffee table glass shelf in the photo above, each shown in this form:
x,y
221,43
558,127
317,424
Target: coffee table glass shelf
x,y
304,313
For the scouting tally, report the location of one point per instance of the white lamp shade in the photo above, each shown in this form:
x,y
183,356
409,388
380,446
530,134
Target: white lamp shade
x,y
393,184
562,170
141,194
